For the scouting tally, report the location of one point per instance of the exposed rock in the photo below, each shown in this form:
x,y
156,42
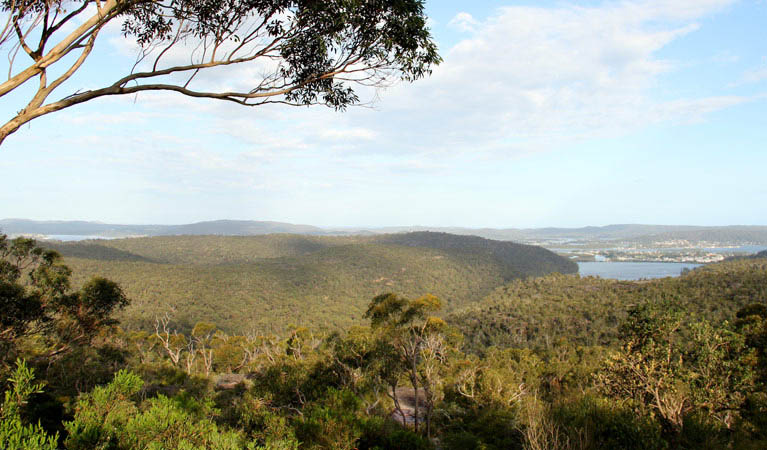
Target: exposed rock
x,y
228,381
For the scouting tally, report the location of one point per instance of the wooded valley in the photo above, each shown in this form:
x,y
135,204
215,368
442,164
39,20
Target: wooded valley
x,y
540,361
268,283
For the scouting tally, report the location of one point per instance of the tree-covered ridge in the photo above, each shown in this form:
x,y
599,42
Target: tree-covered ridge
x,y
211,250
93,250
520,260
537,312
270,282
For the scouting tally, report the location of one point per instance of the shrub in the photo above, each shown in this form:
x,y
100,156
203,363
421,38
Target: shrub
x,y
14,433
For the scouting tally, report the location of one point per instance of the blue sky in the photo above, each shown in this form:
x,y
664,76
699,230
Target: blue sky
x,y
542,114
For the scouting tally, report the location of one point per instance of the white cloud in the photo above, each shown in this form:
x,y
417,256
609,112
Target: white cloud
x,y
695,110
347,134
533,76
463,21
755,75
525,79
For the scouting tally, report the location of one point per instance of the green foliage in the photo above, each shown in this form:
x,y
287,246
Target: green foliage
x,y
170,423
102,415
519,260
110,417
37,300
382,434
202,250
587,311
268,282
412,344
752,323
677,370
30,279
558,362
605,425
331,423
321,50
490,428
14,433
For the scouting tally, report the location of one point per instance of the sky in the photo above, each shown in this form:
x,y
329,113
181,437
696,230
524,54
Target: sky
x,y
542,114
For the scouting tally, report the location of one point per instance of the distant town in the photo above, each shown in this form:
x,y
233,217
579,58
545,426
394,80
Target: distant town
x,y
675,250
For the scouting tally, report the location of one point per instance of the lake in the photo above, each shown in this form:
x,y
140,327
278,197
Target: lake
x,y
74,237
632,270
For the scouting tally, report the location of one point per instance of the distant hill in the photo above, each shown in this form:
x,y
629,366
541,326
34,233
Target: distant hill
x,y
608,232
76,228
644,234
217,227
206,249
730,234
760,255
92,250
636,233
238,228
269,282
521,260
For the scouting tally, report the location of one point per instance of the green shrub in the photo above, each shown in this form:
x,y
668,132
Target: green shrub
x,y
109,418
488,428
331,423
14,433
606,425
383,434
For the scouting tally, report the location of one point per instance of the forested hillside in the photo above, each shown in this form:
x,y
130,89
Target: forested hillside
x,y
205,250
519,260
555,362
267,283
539,311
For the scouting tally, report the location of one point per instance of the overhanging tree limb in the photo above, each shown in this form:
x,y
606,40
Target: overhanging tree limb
x,y
310,52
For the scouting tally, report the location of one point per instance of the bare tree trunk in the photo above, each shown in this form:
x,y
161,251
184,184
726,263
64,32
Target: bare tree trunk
x,y
165,336
429,408
394,398
415,391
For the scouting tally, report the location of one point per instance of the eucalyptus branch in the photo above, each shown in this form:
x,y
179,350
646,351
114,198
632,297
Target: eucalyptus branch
x,y
314,51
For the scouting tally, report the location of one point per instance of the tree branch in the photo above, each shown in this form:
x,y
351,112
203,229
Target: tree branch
x,y
110,9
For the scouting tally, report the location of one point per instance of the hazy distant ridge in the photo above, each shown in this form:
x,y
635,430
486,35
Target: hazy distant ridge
x,y
637,232
216,227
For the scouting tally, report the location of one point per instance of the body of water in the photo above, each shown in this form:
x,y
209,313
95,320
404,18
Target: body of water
x,y
73,237
632,270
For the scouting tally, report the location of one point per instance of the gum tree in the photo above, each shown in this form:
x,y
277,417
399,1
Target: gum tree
x,y
36,299
411,342
307,52
673,369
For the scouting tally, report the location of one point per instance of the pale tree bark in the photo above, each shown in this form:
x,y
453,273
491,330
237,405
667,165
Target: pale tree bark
x,y
243,38
168,339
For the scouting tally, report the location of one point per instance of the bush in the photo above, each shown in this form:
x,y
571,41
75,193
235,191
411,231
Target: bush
x,y
14,433
384,434
109,417
605,425
488,428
